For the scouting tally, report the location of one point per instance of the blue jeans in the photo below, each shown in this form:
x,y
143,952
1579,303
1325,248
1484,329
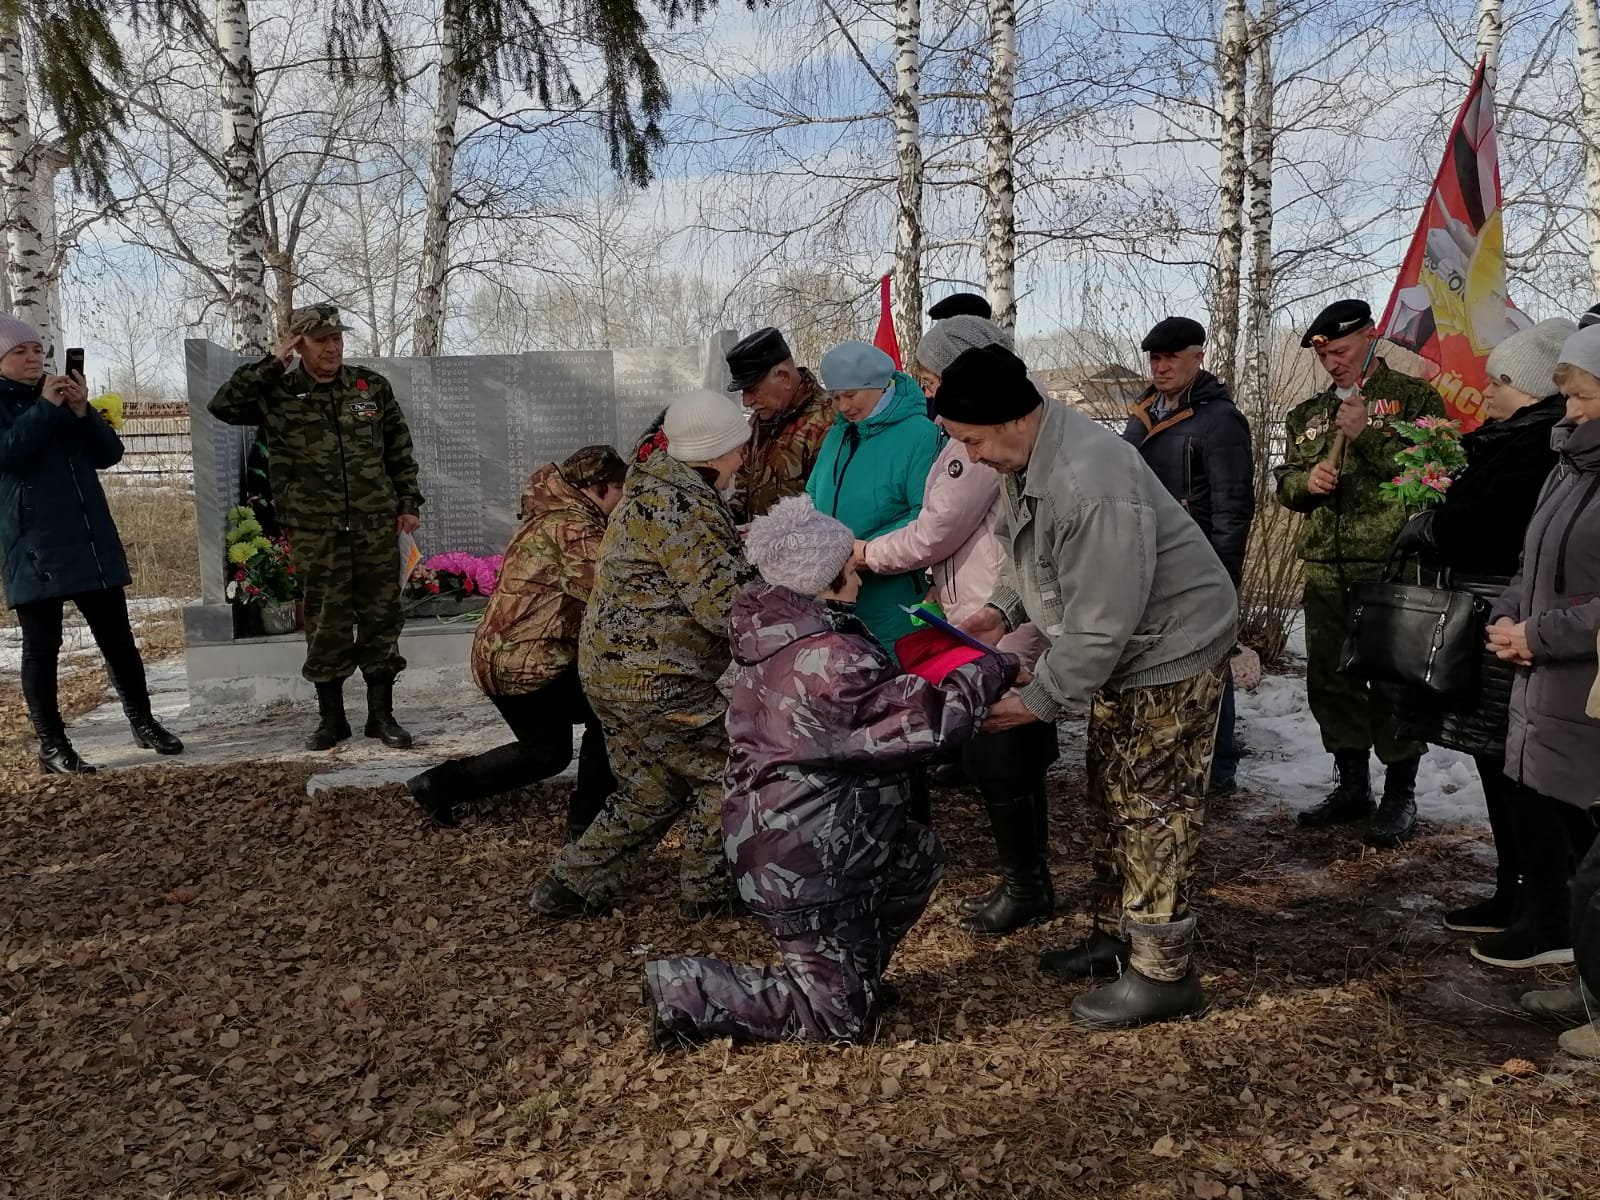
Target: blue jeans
x,y
1225,763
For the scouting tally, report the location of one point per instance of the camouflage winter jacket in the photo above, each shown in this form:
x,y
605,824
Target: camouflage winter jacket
x,y
529,632
339,453
670,566
782,453
1356,523
822,725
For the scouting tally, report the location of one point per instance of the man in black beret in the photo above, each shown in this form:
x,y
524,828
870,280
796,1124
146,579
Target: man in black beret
x,y
1141,618
1198,443
792,417
961,304
1348,535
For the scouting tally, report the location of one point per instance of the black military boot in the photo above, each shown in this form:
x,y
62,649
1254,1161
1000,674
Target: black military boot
x,y
1160,983
332,728
1397,811
380,713
1026,895
149,735
1350,801
1101,955
57,757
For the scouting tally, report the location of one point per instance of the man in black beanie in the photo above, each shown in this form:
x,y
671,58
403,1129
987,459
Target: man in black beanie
x,y
1141,616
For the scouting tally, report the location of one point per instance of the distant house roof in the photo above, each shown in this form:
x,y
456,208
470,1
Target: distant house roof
x,y
1103,391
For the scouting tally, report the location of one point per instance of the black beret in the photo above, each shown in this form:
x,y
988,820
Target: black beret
x,y
987,385
1591,317
1339,319
962,304
750,360
1173,333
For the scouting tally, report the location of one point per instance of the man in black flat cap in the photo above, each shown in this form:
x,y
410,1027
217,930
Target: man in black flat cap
x,y
1348,535
792,416
1198,445
961,304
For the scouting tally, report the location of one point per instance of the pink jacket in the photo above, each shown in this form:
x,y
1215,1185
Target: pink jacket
x,y
954,539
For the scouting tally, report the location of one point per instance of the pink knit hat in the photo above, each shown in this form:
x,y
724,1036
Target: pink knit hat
x,y
14,333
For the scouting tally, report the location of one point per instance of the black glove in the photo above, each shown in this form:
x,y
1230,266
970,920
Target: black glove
x,y
1416,536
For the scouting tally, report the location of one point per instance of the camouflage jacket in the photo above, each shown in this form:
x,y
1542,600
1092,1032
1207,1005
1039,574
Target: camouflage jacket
x,y
670,566
339,453
822,726
1356,523
529,632
782,453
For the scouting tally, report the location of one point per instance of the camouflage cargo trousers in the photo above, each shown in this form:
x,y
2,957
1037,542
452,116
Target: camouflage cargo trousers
x,y
1149,764
826,987
1351,713
351,582
668,762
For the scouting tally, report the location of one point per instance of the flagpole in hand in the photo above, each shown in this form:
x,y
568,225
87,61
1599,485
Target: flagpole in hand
x,y
1336,448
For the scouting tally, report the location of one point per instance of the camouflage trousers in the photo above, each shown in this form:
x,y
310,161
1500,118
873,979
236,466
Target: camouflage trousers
x,y
1149,764
826,989
1351,713
668,762
352,593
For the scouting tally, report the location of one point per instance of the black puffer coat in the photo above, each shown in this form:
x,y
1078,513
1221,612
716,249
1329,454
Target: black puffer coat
x,y
1201,454
1476,534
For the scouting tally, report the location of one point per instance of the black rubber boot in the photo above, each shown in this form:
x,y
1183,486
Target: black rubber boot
x,y
552,898
1160,983
149,735
380,714
332,727
433,795
1397,812
1025,896
57,757
1351,800
1100,956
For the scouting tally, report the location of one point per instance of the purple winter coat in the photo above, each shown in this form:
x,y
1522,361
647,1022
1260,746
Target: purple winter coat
x,y
822,726
1551,745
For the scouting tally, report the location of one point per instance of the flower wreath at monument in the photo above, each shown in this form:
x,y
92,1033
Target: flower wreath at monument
x,y
259,568
455,575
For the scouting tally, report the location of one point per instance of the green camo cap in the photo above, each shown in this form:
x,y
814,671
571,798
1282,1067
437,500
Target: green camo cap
x,y
316,320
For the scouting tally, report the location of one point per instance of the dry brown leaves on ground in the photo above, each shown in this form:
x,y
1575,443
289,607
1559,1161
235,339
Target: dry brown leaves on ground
x,y
214,985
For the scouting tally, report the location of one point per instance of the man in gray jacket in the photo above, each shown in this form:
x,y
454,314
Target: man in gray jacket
x,y
1141,616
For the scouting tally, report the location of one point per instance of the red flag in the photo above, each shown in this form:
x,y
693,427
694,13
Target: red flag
x,y
1449,304
885,339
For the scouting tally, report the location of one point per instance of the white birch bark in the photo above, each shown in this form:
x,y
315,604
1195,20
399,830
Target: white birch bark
x,y
249,309
1256,383
906,105
429,322
27,265
1489,29
49,162
1588,24
999,178
1233,50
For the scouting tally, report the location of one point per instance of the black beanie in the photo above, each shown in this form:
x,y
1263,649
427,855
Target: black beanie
x,y
987,385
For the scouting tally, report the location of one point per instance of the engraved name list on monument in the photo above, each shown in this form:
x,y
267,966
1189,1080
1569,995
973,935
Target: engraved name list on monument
x,y
450,439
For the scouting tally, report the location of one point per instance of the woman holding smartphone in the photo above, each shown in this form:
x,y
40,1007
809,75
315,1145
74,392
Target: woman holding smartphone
x,y
60,542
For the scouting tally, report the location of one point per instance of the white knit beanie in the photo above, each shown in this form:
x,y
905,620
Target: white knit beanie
x,y
15,332
703,425
947,340
1527,359
797,547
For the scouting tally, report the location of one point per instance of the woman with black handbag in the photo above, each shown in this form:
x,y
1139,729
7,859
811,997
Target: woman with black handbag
x,y
1476,535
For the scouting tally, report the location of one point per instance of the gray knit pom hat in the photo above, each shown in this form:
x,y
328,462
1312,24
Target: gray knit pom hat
x,y
797,547
946,340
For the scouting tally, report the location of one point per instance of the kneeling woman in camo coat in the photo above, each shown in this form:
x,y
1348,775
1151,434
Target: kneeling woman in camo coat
x,y
823,728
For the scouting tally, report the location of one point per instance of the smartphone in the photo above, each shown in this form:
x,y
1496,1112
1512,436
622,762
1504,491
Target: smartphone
x,y
75,361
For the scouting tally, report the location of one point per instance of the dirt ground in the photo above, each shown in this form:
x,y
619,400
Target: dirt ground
x,y
216,985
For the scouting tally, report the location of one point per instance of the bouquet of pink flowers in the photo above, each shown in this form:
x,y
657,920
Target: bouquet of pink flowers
x,y
1427,464
456,574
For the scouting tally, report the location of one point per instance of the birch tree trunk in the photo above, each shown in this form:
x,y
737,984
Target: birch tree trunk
x,y
1256,383
48,162
1233,51
1588,23
27,264
906,105
249,310
1489,28
999,179
429,322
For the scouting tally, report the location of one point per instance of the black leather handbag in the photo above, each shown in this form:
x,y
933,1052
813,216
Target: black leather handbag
x,y
1416,635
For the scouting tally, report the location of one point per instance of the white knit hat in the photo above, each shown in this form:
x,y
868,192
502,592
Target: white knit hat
x,y
1527,359
947,340
797,547
703,425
